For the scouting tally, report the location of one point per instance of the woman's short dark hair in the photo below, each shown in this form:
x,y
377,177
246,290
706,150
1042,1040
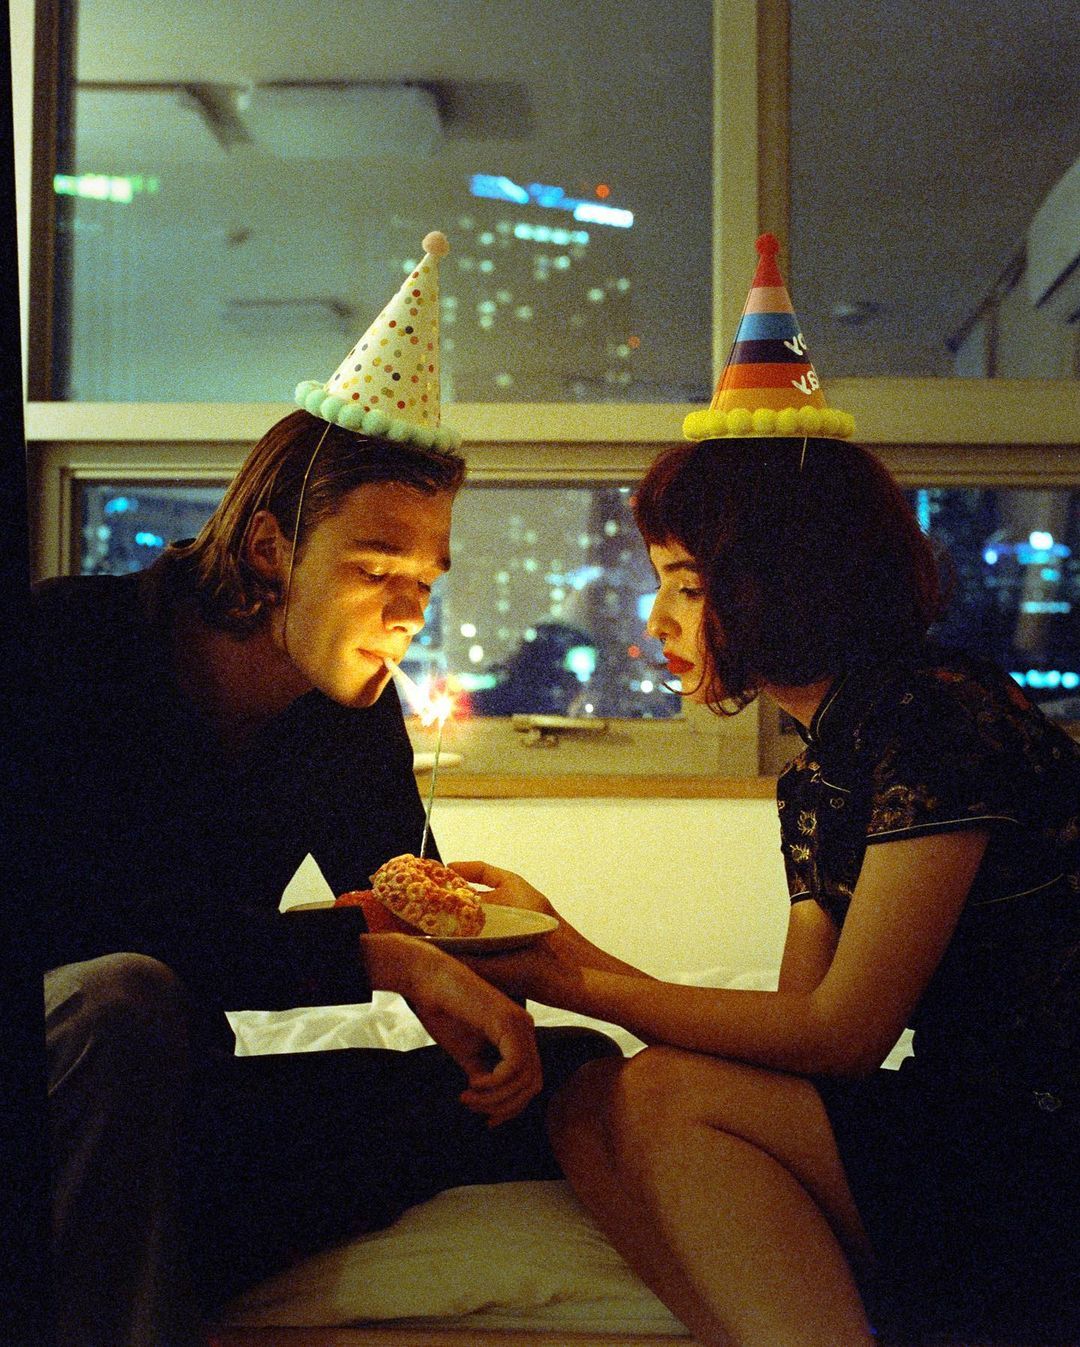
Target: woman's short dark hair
x,y
810,561
230,593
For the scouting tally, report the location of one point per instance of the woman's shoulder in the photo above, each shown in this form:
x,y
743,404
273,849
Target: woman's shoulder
x,y
952,684
950,709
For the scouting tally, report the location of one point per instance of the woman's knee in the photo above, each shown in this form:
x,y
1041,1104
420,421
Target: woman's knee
x,y
626,1112
654,1083
581,1105
652,1105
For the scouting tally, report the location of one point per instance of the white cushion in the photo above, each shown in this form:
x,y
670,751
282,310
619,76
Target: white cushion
x,y
488,1250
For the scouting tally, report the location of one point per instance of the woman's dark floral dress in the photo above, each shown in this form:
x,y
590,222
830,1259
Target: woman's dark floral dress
x,y
929,743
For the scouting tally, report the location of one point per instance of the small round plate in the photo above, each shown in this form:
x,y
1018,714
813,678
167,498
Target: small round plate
x,y
504,928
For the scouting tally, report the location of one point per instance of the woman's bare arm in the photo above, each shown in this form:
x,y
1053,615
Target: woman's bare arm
x,y
906,904
811,941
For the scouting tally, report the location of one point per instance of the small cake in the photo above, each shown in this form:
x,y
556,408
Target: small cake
x,y
379,918
428,896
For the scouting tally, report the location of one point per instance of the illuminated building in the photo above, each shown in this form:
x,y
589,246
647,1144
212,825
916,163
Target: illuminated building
x,y
533,273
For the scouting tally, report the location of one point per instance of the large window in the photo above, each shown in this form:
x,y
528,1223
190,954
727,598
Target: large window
x,y
544,610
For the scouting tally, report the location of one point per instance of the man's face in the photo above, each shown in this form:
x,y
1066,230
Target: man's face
x,y
361,585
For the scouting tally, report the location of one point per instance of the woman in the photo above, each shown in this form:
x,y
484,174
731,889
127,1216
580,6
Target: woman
x,y
755,1164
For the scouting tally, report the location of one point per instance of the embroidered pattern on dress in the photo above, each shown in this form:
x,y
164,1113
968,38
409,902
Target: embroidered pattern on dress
x,y
902,806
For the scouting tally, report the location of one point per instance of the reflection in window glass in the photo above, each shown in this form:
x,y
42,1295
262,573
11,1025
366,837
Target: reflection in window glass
x,y
545,607
126,527
231,217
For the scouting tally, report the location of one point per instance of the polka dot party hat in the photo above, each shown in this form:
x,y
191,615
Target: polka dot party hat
x,y
768,386
388,384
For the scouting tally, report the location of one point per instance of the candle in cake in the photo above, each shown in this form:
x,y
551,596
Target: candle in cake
x,y
434,708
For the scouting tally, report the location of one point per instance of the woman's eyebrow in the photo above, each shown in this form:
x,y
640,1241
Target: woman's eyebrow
x,y
673,567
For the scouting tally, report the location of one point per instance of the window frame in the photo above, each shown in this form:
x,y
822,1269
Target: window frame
x,y
943,431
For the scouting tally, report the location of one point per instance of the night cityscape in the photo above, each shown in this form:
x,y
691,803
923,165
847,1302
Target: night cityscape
x,y
551,586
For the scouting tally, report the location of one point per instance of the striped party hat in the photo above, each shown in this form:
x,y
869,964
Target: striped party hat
x,y
768,386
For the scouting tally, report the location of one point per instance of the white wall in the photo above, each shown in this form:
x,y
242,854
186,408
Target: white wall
x,y
673,886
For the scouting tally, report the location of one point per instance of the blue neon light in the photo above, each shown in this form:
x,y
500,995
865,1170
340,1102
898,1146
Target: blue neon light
x,y
1026,554
499,188
1042,679
593,212
552,198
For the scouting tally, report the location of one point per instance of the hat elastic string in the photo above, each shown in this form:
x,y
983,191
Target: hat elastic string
x,y
295,537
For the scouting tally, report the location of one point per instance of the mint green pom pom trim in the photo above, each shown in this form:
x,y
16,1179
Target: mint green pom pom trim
x,y
376,423
822,422
313,397
445,439
352,416
309,395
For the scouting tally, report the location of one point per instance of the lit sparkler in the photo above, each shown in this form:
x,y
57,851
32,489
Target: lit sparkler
x,y
433,708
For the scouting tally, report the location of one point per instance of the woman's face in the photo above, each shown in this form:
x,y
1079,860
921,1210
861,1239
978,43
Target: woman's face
x,y
677,617
360,588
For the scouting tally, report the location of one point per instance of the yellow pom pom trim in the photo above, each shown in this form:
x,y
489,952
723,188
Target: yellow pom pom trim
x,y
436,244
695,426
824,423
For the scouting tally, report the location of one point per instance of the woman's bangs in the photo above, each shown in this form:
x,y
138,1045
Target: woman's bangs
x,y
661,504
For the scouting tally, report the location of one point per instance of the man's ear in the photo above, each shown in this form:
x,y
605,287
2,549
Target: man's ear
x,y
265,549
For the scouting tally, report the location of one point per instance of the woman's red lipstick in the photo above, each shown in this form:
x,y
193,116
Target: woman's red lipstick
x,y
676,665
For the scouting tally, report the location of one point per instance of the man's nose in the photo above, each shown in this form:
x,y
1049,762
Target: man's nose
x,y
405,610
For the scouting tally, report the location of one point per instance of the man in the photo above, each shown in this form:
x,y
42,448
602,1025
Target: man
x,y
201,727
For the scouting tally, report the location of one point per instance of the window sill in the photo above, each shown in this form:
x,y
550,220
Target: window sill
x,y
593,785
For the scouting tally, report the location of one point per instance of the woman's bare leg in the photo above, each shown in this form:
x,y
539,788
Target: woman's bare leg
x,y
721,1186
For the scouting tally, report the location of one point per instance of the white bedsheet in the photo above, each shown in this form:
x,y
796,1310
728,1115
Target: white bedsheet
x,y
387,1022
